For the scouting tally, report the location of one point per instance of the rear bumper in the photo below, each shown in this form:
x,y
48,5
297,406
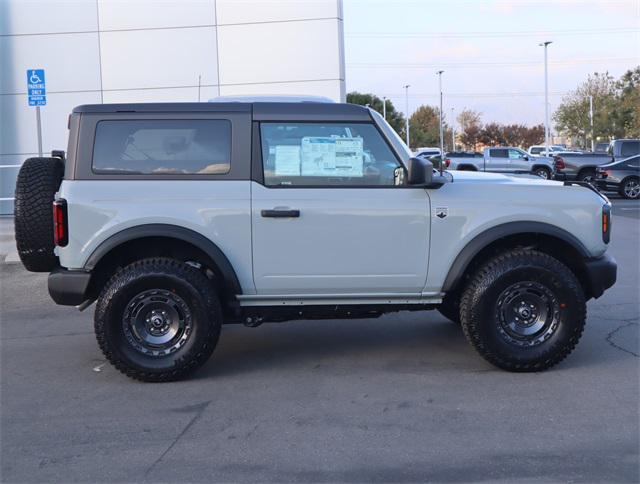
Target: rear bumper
x,y
68,288
563,176
601,274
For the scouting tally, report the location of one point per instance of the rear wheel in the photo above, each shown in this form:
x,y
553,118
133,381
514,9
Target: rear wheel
x,y
158,320
630,188
542,172
38,181
523,311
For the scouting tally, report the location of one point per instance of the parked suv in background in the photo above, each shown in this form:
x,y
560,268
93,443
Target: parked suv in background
x,y
623,148
583,166
177,218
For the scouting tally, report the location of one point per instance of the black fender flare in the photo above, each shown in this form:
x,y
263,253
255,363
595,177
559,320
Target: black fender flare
x,y
480,241
173,232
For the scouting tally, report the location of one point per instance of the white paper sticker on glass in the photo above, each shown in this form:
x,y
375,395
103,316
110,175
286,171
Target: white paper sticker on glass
x,y
287,162
349,159
331,156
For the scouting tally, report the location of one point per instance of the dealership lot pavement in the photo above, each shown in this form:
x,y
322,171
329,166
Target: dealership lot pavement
x,y
400,398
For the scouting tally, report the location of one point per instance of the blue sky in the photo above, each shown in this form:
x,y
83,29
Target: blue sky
x,y
489,50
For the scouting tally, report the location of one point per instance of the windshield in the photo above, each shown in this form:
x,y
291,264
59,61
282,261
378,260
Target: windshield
x,y
392,136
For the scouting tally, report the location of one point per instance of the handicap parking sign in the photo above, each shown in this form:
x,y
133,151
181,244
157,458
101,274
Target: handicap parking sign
x,y
36,89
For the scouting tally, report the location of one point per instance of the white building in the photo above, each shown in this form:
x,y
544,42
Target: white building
x,y
96,51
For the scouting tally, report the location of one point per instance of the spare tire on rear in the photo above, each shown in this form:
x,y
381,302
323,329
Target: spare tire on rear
x,y
38,181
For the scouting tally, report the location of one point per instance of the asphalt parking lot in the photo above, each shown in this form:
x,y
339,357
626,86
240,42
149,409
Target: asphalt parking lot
x,y
400,398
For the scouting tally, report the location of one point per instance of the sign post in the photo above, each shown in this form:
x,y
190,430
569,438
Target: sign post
x,y
37,94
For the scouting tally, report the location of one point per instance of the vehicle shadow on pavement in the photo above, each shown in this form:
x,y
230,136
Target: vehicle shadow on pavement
x,y
416,343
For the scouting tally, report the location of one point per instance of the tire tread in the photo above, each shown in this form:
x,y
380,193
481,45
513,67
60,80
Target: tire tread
x,y
160,266
469,308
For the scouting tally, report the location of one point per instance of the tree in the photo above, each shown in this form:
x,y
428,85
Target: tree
x,y
424,126
492,135
470,122
612,116
470,137
394,117
533,136
469,117
627,112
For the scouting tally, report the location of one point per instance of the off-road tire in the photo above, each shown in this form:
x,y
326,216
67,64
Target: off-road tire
x,y
178,278
450,307
480,317
38,181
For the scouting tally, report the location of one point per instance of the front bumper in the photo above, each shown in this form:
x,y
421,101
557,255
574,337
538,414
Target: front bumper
x,y
601,274
606,184
68,288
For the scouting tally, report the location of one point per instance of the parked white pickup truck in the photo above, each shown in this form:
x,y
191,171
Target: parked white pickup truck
x,y
505,159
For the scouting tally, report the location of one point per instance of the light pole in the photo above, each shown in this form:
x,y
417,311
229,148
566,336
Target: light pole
x,y
546,98
406,110
591,119
441,126
384,107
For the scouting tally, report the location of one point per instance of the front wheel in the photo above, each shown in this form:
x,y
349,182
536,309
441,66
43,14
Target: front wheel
x,y
523,311
630,189
158,320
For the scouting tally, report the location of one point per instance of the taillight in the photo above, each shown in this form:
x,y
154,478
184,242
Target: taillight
x,y
559,163
606,223
447,162
60,226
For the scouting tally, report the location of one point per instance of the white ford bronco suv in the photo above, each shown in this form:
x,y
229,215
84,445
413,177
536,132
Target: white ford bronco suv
x,y
176,218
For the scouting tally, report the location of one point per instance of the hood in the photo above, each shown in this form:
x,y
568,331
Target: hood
x,y
497,178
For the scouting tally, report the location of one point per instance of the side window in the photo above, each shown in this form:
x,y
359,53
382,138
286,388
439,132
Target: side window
x,y
630,148
328,154
514,155
163,147
499,153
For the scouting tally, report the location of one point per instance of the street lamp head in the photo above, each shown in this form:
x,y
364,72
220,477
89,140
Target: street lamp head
x,y
439,72
544,44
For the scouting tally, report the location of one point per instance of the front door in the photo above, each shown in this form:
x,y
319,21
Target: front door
x,y
518,161
330,216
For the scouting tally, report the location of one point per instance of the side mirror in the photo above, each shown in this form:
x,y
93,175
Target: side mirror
x,y
419,172
526,157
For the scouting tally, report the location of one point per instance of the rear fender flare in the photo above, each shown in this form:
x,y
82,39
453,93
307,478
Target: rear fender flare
x,y
174,232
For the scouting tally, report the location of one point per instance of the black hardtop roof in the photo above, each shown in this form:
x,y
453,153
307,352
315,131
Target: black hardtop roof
x,y
260,110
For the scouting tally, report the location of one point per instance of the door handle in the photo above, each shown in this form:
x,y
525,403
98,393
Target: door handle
x,y
280,213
